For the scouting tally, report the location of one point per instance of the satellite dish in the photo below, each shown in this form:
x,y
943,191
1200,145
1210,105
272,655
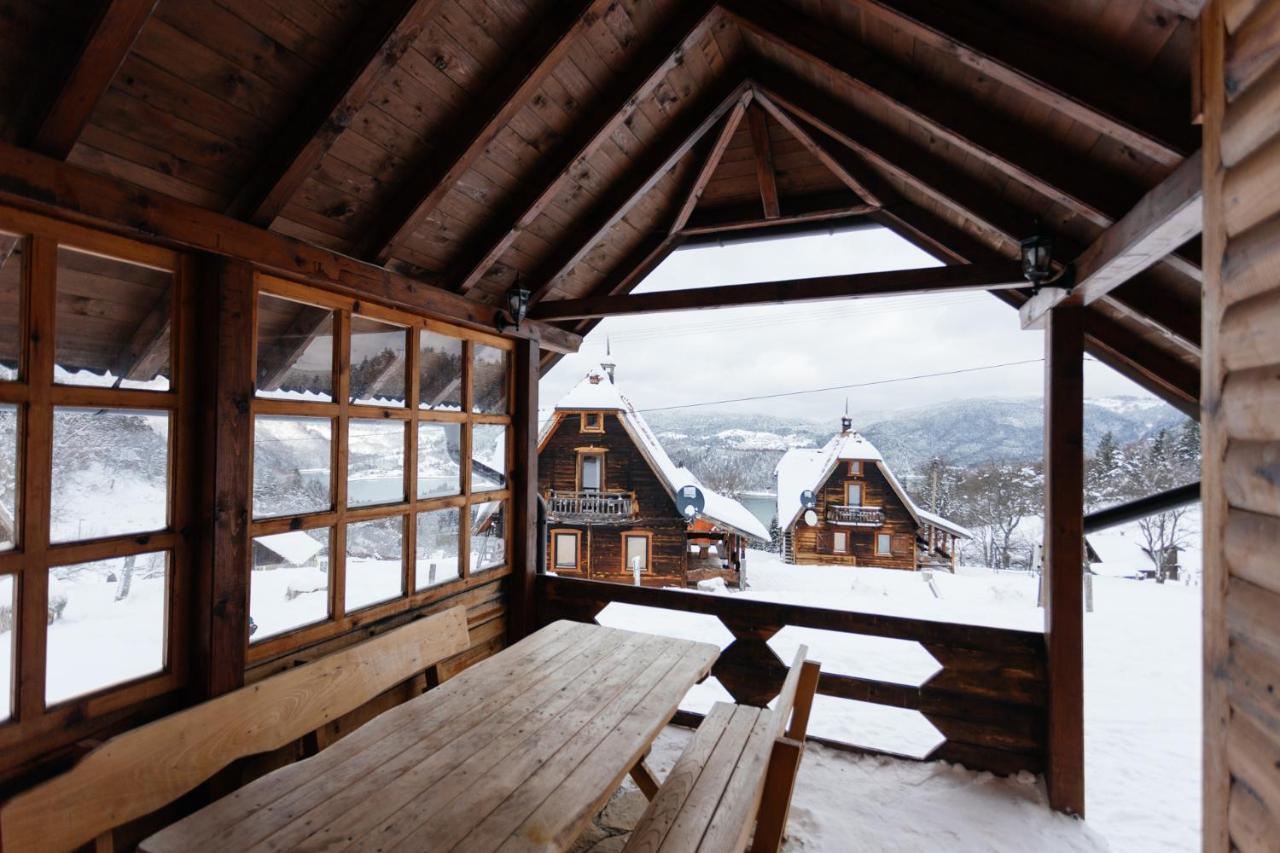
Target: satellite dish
x,y
810,517
690,501
808,499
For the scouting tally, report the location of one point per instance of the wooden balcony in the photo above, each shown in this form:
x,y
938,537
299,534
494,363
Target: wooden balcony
x,y
855,516
591,507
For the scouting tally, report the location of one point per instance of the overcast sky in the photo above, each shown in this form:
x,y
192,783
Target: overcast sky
x,y
681,358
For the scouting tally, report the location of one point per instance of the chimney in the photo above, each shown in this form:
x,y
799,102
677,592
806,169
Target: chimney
x,y
608,364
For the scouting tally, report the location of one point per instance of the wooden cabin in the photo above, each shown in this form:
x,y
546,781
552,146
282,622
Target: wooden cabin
x,y
270,250
612,496
842,505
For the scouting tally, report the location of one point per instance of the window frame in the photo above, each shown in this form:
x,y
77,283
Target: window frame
x,y
647,536
599,453
835,538
862,492
592,422
557,532
855,467
37,397
341,411
886,553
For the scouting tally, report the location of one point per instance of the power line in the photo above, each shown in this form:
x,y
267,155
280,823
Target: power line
x,y
845,387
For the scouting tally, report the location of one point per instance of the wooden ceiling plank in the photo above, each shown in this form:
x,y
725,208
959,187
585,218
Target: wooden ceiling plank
x,y
823,207
147,349
441,167
331,106
708,169
43,185
673,143
834,163
599,121
766,175
948,279
104,51
1165,218
1087,89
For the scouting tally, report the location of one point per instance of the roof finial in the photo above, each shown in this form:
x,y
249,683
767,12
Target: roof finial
x,y
846,423
608,364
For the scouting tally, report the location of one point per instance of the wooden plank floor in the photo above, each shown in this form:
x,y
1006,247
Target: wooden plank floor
x,y
516,753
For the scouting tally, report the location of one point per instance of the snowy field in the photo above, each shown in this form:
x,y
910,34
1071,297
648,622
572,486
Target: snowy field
x,y
1142,713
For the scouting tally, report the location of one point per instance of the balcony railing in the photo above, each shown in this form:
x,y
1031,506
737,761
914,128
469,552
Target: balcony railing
x,y
591,507
858,516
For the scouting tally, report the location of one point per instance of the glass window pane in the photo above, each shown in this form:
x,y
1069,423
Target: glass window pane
x,y
590,472
106,623
289,584
11,255
566,551
375,562
439,460
436,557
637,553
488,457
295,350
291,465
488,535
113,322
440,372
375,462
110,473
8,630
378,350
8,478
489,380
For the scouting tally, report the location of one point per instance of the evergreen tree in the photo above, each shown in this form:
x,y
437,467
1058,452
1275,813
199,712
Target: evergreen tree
x,y
775,536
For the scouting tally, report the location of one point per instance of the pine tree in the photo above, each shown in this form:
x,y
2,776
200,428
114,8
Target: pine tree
x,y
775,537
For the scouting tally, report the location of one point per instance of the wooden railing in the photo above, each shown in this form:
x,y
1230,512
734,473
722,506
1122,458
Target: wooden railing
x,y
590,506
866,516
988,699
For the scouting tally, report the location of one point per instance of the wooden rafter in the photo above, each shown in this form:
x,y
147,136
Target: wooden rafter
x,y
727,130
1000,276
672,144
109,42
441,167
347,85
834,162
1165,218
649,65
762,150
276,362
1087,89
144,354
821,207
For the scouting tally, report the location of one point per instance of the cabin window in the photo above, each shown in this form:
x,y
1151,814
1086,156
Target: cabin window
x,y
853,494
95,450
566,550
840,542
590,472
380,462
884,544
635,552
855,467
591,421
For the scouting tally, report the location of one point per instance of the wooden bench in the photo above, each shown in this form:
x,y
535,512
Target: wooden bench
x,y
737,772
145,769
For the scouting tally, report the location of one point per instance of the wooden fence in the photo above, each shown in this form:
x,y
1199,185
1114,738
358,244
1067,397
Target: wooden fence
x,y
988,699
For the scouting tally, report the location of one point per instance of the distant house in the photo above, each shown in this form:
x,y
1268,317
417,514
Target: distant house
x,y
842,505
289,550
613,497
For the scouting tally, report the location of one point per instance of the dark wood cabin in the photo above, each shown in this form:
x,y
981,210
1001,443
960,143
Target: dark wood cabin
x,y
171,169
841,505
611,496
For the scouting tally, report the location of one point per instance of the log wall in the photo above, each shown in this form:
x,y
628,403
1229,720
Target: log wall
x,y
814,544
1241,425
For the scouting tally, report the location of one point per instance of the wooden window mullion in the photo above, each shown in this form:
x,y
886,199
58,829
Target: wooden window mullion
x,y
410,537
340,450
468,395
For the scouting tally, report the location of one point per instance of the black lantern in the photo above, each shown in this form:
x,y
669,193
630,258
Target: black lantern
x,y
517,308
1037,263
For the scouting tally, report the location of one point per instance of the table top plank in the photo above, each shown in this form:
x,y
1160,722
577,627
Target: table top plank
x,y
287,789
527,744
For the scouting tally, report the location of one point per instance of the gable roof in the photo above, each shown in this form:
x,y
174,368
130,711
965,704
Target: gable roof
x,y
598,392
804,469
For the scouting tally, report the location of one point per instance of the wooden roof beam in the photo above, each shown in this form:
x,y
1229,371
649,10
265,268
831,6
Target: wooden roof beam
x,y
694,122
1165,218
440,168
147,349
1085,88
766,175
951,279
33,182
727,130
833,161
599,120
822,207
104,51
333,102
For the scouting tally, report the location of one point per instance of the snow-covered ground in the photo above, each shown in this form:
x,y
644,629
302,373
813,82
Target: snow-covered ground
x,y
1142,714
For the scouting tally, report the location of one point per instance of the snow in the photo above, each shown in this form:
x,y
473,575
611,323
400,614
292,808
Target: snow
x,y
1142,713
294,546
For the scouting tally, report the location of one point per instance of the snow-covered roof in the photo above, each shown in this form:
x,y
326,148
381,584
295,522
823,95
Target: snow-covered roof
x,y
295,546
598,392
800,470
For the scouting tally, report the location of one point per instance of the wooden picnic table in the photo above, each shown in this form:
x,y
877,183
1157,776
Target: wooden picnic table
x,y
518,752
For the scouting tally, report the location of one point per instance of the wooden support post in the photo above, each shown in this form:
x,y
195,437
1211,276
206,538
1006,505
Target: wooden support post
x,y
226,451
1063,544
524,484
